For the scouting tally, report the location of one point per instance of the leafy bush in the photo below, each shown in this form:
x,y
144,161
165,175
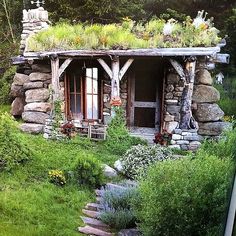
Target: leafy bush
x,y
228,95
116,206
185,197
5,85
224,147
118,137
137,159
89,171
13,150
57,177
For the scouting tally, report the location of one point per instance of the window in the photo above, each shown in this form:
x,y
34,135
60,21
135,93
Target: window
x,y
82,95
92,93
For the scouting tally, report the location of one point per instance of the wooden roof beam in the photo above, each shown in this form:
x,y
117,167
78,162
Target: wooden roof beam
x,y
65,64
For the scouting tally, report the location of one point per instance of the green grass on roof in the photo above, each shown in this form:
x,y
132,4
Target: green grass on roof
x,y
127,35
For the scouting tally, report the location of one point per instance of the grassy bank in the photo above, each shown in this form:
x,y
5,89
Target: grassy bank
x,y
30,205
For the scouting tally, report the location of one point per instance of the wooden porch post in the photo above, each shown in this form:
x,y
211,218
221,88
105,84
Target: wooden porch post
x,y
116,74
55,79
188,75
115,81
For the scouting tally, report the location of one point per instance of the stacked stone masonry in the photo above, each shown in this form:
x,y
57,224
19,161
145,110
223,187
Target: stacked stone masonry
x,y
33,21
31,95
107,96
206,111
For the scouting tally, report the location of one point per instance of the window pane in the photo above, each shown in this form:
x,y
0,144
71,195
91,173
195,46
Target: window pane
x,y
89,107
89,72
95,86
95,106
72,84
77,79
95,73
78,103
72,103
89,84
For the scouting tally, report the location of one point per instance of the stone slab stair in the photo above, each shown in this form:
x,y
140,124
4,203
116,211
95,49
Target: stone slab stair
x,y
95,227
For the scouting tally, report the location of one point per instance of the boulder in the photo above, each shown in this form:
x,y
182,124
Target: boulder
x,y
203,76
32,128
208,112
194,145
205,94
37,95
16,91
20,79
118,166
17,106
33,85
213,128
38,76
171,126
41,68
173,78
35,117
38,106
108,171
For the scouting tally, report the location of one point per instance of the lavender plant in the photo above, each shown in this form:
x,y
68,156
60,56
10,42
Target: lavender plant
x,y
116,208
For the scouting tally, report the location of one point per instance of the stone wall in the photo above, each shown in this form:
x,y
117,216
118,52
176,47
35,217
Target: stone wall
x,y
205,110
107,97
207,113
33,21
32,97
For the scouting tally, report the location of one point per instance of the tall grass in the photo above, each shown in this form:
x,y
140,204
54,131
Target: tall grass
x,y
126,35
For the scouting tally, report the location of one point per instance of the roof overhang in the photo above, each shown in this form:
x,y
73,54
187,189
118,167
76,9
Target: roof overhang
x,y
154,52
211,52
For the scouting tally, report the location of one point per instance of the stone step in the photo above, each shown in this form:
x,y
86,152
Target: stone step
x,y
93,206
95,223
92,214
115,186
93,231
98,199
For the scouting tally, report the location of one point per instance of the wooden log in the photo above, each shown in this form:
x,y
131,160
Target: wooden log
x,y
115,82
125,68
194,51
187,121
64,66
105,67
222,58
178,67
55,78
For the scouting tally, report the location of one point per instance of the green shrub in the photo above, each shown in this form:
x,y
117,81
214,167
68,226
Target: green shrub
x,y
116,207
137,159
224,147
185,197
13,149
118,137
5,85
89,171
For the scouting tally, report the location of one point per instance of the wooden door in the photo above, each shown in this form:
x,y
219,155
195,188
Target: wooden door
x,y
145,99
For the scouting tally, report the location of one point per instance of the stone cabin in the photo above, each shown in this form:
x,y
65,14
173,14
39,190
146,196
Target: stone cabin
x,y
160,89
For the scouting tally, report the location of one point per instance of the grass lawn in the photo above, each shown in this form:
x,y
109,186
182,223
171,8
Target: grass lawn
x,y
30,205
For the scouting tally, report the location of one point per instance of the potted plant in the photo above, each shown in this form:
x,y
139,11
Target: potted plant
x,y
163,138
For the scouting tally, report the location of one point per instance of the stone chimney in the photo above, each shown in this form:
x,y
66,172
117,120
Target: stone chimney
x,y
33,21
